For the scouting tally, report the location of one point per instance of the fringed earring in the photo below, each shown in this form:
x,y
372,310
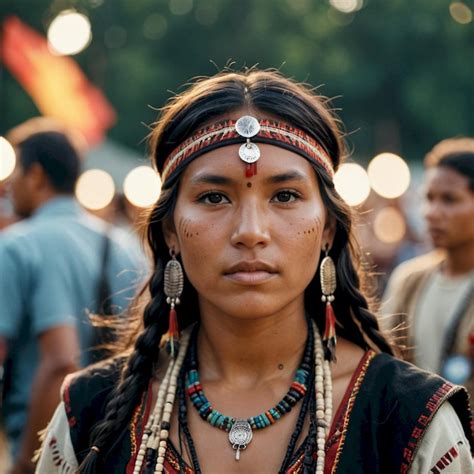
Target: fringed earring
x,y
173,286
328,287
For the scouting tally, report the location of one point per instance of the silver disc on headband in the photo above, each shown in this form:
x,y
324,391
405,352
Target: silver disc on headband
x,y
249,152
240,436
247,126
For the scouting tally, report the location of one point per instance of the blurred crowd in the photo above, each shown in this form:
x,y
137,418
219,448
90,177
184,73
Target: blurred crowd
x,y
61,263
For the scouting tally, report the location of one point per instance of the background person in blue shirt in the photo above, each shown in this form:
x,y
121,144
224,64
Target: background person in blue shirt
x,y
50,273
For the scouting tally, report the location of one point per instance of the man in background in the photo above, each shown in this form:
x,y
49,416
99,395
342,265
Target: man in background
x,y
431,298
54,266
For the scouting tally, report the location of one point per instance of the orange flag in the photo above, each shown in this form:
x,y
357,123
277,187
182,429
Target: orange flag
x,y
55,83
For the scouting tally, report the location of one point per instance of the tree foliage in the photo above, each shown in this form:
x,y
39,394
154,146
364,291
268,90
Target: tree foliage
x,y
400,71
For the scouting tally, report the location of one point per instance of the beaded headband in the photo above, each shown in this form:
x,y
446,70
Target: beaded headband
x,y
242,131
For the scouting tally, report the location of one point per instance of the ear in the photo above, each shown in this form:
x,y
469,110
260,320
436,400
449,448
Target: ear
x,y
170,235
37,177
329,231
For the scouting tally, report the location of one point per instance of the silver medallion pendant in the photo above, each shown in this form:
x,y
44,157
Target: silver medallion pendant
x,y
247,126
249,152
240,436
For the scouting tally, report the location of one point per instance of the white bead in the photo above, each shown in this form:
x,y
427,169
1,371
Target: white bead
x,y
161,451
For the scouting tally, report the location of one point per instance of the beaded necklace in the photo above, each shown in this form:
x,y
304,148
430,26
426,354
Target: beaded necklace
x,y
154,441
241,430
307,404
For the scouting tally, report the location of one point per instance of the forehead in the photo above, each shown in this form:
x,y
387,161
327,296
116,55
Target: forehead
x,y
446,178
273,161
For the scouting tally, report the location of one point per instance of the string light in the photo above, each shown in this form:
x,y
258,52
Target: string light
x,y
69,33
7,159
389,175
95,189
352,183
142,186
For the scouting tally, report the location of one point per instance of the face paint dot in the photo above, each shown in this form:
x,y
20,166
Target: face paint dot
x,y
249,185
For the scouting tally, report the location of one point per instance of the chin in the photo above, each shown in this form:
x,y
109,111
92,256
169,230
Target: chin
x,y
253,307
439,241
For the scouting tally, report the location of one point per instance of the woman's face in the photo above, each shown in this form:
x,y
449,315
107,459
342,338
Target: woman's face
x,y
249,246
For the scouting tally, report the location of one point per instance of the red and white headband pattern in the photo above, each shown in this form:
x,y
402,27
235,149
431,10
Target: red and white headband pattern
x,y
248,131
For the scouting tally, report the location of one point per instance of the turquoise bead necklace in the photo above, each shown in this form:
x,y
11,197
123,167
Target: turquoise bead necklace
x,y
240,431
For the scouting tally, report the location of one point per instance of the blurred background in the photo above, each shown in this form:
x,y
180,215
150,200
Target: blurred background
x,y
400,74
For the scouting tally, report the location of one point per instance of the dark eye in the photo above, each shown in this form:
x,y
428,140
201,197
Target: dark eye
x,y
449,198
285,196
213,198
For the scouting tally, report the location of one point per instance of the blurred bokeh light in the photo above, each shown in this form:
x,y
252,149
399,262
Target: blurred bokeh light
x,y
69,33
389,175
7,159
352,183
460,12
142,186
347,6
389,225
95,189
181,7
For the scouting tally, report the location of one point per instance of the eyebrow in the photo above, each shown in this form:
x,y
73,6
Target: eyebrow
x,y
212,179
290,176
217,179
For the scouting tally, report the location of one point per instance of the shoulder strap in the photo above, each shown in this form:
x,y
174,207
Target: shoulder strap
x,y
452,332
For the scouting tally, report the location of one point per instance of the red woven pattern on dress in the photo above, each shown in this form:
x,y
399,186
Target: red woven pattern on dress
x,y
224,132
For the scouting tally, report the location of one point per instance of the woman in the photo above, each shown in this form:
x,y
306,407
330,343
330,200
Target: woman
x,y
249,208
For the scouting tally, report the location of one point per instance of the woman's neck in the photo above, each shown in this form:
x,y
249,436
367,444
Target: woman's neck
x,y
249,351
459,261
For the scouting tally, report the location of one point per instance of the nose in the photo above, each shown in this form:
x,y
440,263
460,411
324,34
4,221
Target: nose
x,y
432,210
251,226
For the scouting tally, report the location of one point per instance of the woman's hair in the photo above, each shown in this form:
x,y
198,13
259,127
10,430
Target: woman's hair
x,y
207,100
456,154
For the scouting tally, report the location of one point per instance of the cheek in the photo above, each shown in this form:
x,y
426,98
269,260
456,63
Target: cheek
x,y
308,230
305,236
197,243
188,228
463,217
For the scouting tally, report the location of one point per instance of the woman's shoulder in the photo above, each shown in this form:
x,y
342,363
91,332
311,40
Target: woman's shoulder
x,y
403,380
395,401
85,387
416,393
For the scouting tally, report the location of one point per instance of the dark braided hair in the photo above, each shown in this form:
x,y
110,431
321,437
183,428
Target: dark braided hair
x,y
206,100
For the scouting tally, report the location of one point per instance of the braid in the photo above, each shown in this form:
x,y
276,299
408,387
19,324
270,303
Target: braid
x,y
360,315
135,378
351,306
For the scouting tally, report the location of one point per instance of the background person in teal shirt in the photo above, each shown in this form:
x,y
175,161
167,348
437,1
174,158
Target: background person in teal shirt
x,y
50,273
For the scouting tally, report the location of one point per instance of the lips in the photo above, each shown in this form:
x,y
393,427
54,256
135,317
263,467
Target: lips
x,y
434,231
248,266
251,272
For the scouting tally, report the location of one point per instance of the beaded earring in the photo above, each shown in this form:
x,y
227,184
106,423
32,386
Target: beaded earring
x,y
173,286
328,287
